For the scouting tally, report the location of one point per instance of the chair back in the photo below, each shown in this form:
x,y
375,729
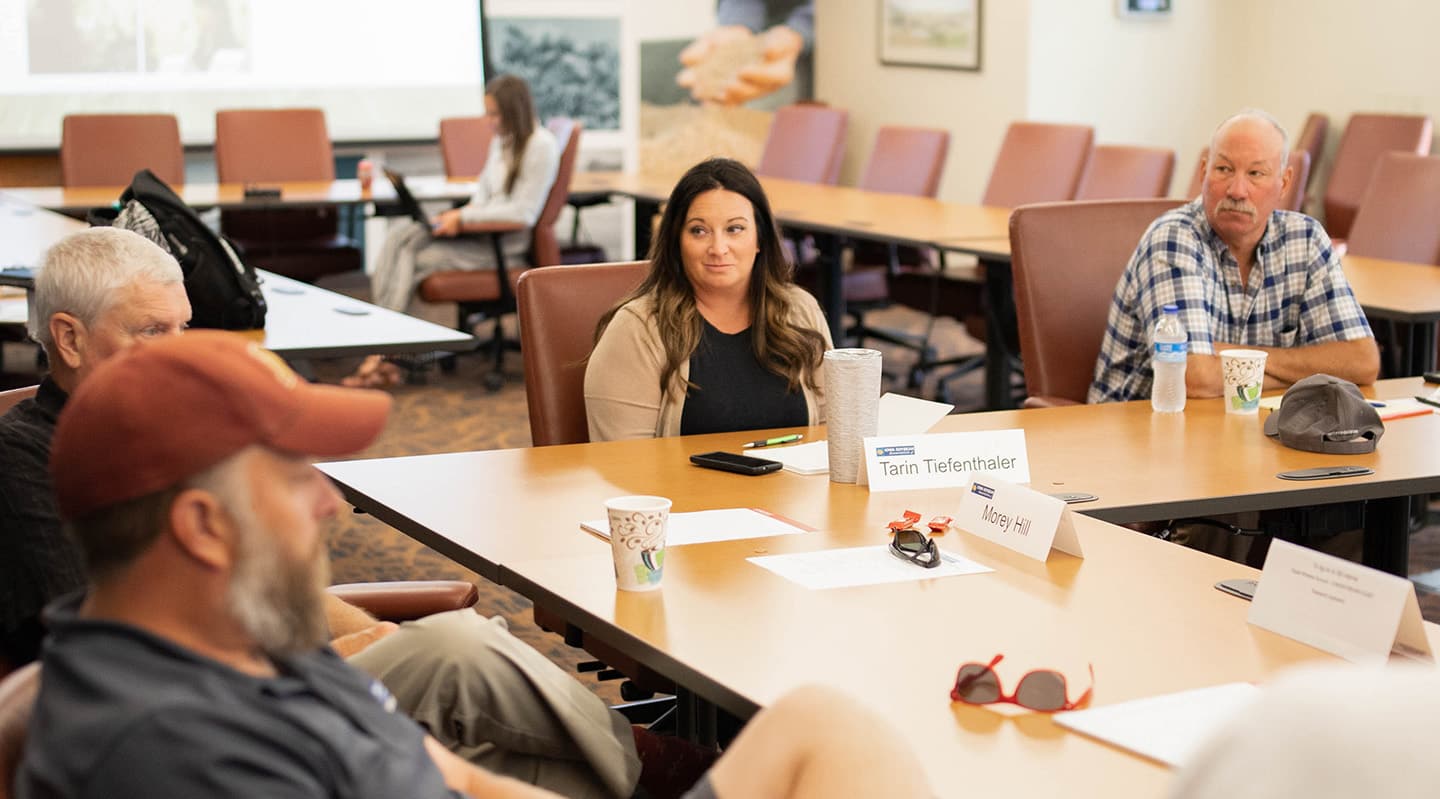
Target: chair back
x,y
465,144
1399,219
108,149
1067,259
11,398
1312,138
1294,197
272,145
545,247
906,161
806,143
17,700
1038,162
559,307
1366,138
1124,172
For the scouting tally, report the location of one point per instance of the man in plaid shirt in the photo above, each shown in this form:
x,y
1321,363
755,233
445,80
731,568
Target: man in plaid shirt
x,y
1243,273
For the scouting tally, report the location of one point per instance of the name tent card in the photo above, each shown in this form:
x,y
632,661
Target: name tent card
x,y
1017,518
1356,612
944,460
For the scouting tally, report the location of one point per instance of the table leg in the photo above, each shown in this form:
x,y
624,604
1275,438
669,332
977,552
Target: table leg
x,y
999,321
832,285
1387,535
645,211
1422,349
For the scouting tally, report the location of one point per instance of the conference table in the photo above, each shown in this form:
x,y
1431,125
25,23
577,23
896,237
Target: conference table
x,y
302,320
1401,292
1141,610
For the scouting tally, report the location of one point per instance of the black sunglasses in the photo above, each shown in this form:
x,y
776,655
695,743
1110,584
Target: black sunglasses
x,y
916,547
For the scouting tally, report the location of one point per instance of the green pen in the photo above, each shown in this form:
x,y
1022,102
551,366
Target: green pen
x,y
770,442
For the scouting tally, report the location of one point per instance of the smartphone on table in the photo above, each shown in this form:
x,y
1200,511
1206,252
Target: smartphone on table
x,y
740,464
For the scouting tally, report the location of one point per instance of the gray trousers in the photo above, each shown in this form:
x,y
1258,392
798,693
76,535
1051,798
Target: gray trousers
x,y
495,701
411,254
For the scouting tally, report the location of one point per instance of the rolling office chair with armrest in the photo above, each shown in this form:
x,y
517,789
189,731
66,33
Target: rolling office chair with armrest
x,y
108,149
1312,140
1067,258
1125,172
1366,138
490,293
465,144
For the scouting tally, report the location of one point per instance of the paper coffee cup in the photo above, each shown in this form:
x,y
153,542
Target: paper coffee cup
x,y
637,540
365,173
1244,375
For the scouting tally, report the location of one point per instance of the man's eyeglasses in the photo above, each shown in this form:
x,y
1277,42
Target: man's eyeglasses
x,y
916,547
1042,689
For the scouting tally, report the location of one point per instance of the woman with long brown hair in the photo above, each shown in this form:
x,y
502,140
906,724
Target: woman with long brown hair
x,y
717,337
512,187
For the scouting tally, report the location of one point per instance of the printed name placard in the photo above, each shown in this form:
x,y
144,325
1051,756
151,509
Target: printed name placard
x,y
1356,612
1017,517
944,460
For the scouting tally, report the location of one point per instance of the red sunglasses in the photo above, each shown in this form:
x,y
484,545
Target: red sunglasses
x,y
1043,690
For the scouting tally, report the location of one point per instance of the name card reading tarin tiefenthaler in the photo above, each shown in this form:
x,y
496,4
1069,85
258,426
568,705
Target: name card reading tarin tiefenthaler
x,y
1356,612
1017,517
943,460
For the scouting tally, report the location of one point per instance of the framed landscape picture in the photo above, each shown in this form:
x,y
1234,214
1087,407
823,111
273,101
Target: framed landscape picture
x,y
930,33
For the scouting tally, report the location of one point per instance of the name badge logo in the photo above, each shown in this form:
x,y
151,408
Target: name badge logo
x,y
983,490
894,452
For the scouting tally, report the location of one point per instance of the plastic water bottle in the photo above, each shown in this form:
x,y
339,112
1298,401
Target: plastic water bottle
x,y
1167,394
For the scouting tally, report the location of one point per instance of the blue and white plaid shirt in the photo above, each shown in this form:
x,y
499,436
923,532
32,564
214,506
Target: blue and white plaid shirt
x,y
1297,295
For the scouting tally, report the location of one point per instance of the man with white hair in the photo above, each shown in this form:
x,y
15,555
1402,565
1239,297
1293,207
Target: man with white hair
x,y
485,694
1243,273
107,289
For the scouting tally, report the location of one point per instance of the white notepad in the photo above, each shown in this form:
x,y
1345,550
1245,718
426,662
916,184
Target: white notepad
x,y
703,526
899,415
845,568
1167,728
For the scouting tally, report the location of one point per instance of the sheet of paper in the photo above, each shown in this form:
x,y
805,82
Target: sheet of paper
x,y
12,310
1401,407
843,568
702,526
899,415
1166,728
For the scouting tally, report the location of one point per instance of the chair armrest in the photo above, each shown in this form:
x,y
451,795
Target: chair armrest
x,y
404,600
1041,401
476,228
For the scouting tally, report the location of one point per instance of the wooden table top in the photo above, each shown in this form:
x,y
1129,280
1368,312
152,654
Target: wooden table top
x,y
232,195
1395,290
492,508
1141,610
836,209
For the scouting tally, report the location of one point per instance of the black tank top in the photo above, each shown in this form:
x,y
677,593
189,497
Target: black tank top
x,y
734,392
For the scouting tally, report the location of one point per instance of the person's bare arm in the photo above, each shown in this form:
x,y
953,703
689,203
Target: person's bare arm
x,y
1357,361
467,778
351,628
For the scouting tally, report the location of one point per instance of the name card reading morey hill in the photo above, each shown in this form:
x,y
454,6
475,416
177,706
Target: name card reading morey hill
x,y
944,460
1017,517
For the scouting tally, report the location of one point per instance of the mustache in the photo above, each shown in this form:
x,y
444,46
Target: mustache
x,y
1239,206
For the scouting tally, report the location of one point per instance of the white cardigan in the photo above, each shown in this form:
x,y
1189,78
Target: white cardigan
x,y
491,203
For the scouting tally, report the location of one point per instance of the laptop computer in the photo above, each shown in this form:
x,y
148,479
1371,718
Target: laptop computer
x,y
407,201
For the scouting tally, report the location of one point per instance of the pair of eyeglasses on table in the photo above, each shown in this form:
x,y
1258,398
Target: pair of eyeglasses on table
x,y
1042,689
916,547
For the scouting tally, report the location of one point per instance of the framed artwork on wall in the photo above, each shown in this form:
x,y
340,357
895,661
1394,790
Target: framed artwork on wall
x,y
1142,8
930,33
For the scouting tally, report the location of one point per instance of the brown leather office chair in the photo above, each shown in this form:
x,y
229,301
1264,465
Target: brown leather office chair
x,y
1312,138
490,293
1037,162
12,397
1292,200
108,149
806,143
1067,258
1366,138
267,146
907,161
1124,172
465,144
558,308
1399,218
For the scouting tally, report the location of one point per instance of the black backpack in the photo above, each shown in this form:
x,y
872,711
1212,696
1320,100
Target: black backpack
x,y
224,292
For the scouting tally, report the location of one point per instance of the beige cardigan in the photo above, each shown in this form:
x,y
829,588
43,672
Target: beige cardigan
x,y
622,380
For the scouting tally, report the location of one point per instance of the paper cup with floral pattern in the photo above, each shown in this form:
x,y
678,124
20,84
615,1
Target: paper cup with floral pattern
x,y
637,540
1244,374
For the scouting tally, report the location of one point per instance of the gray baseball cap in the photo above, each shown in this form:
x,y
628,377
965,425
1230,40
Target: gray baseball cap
x,y
1323,413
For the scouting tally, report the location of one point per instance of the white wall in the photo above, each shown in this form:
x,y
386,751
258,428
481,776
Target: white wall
x,y
974,106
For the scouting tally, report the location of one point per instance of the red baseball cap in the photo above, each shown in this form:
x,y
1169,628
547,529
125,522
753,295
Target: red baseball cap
x,y
166,410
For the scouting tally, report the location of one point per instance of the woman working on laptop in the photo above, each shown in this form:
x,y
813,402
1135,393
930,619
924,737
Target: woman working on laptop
x,y
512,188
